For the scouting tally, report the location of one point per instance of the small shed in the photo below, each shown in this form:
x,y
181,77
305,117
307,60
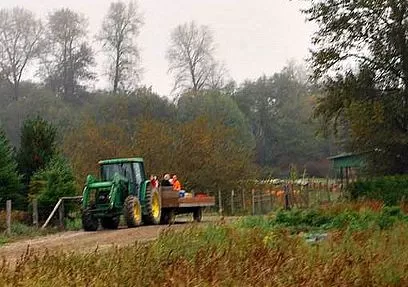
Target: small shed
x,y
347,165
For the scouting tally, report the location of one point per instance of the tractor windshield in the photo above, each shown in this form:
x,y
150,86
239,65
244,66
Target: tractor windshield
x,y
109,170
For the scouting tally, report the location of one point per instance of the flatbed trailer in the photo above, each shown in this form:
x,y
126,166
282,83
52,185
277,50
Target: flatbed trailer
x,y
172,205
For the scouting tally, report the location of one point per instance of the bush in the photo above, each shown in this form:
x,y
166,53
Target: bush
x,y
389,189
297,220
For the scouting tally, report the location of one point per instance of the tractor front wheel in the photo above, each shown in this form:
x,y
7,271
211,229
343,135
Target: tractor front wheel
x,y
89,221
153,206
132,211
110,222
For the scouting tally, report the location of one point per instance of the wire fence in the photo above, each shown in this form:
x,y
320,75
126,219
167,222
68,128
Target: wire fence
x,y
264,198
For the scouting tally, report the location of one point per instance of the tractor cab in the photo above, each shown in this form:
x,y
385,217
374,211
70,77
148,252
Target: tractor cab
x,y
131,169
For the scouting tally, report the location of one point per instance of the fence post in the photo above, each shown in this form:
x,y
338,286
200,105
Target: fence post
x,y
253,201
219,202
232,202
61,215
35,212
8,216
243,200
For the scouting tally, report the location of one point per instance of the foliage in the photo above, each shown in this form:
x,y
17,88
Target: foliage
x,y
279,110
51,183
89,142
217,108
204,156
389,189
225,255
323,219
369,98
36,101
37,146
10,185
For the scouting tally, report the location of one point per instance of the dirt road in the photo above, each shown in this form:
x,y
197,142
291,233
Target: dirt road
x,y
80,241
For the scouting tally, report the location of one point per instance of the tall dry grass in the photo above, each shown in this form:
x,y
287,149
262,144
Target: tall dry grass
x,y
224,255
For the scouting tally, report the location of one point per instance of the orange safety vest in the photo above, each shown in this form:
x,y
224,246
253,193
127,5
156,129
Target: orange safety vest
x,y
176,185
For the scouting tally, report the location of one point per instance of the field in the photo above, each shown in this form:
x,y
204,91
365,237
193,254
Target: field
x,y
339,245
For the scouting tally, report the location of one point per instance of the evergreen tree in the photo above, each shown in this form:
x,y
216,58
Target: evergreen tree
x,y
52,182
10,186
37,146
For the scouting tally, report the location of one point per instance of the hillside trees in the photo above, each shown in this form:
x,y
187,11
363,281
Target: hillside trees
x,y
20,44
371,96
279,110
69,56
119,29
191,59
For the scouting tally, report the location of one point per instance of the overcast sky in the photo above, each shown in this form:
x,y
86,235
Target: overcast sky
x,y
254,37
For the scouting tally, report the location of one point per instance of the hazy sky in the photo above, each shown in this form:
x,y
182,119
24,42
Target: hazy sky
x,y
254,37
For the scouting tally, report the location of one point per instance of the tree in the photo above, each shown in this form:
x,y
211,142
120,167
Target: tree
x,y
88,142
205,156
191,59
372,96
20,44
217,108
279,110
51,183
10,187
37,146
69,57
120,27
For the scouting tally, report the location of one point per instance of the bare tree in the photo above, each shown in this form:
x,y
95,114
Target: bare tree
x,y
69,57
191,59
20,42
120,27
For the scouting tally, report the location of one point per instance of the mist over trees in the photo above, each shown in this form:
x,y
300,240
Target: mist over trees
x,y
214,132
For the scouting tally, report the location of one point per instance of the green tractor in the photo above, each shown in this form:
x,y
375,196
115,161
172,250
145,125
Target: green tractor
x,y
122,190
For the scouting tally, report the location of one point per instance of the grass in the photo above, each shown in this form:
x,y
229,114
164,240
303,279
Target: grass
x,y
252,252
22,231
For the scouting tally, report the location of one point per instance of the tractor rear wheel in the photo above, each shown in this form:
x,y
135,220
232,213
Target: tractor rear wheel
x,y
168,217
153,206
198,214
89,221
110,222
132,211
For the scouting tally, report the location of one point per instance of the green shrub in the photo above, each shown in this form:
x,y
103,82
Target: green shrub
x,y
389,189
297,220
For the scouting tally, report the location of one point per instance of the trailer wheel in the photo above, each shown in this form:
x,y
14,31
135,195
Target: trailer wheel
x,y
89,221
153,206
168,217
110,222
198,214
132,211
